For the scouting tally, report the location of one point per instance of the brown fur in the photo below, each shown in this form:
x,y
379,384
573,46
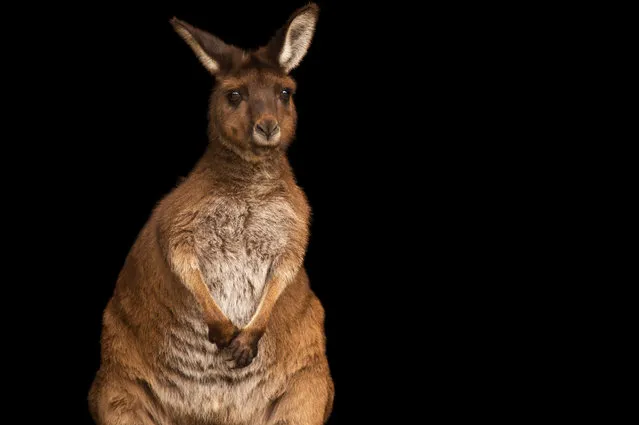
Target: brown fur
x,y
212,321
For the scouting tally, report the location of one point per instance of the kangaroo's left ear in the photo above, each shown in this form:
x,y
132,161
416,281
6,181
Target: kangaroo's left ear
x,y
291,42
214,54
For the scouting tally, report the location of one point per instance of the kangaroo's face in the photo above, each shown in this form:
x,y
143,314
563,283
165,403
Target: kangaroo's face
x,y
251,109
254,110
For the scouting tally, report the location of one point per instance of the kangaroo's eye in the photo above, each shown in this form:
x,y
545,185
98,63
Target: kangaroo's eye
x,y
234,97
285,94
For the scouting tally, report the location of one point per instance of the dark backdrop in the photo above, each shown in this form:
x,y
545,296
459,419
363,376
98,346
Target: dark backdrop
x,y
139,109
395,147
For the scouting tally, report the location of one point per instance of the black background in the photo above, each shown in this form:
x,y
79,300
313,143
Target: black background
x,y
396,150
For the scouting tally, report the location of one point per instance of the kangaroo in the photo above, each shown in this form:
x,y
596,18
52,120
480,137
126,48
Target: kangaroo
x,y
212,320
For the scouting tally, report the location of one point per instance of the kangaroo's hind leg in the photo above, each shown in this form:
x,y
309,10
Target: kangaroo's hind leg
x,y
124,402
308,399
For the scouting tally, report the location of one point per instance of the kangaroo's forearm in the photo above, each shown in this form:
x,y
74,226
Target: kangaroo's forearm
x,y
281,275
274,289
184,265
244,346
194,282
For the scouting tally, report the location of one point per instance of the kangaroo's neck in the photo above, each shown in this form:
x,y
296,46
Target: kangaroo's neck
x,y
225,166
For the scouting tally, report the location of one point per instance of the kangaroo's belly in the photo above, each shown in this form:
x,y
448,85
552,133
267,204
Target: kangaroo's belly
x,y
237,240
196,384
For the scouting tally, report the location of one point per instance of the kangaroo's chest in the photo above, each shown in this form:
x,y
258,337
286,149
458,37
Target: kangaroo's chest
x,y
237,240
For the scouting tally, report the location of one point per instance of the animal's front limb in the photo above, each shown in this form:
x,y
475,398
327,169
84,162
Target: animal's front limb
x,y
183,262
243,349
221,329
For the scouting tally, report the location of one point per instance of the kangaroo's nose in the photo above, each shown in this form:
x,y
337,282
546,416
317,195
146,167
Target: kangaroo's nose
x,y
268,127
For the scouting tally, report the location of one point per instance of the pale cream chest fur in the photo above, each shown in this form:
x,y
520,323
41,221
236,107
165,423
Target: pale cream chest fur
x,y
236,240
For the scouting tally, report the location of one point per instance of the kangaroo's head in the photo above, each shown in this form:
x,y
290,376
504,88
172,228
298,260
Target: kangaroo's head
x,y
251,107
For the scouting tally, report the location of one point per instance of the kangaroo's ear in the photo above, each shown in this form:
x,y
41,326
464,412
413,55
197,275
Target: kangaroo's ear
x,y
290,43
210,50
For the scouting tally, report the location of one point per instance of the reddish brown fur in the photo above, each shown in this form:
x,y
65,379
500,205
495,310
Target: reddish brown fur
x,y
177,345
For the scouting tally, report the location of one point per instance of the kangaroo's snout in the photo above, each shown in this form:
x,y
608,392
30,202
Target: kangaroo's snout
x,y
266,132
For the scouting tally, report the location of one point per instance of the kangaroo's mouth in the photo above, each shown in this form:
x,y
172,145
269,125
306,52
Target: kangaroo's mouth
x,y
273,140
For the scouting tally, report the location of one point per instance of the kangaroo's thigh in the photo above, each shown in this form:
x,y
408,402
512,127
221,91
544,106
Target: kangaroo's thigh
x,y
308,399
123,402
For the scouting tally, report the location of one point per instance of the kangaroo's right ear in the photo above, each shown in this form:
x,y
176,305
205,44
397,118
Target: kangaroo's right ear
x,y
210,50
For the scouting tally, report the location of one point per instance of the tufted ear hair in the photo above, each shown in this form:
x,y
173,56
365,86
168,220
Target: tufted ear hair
x,y
290,44
214,54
